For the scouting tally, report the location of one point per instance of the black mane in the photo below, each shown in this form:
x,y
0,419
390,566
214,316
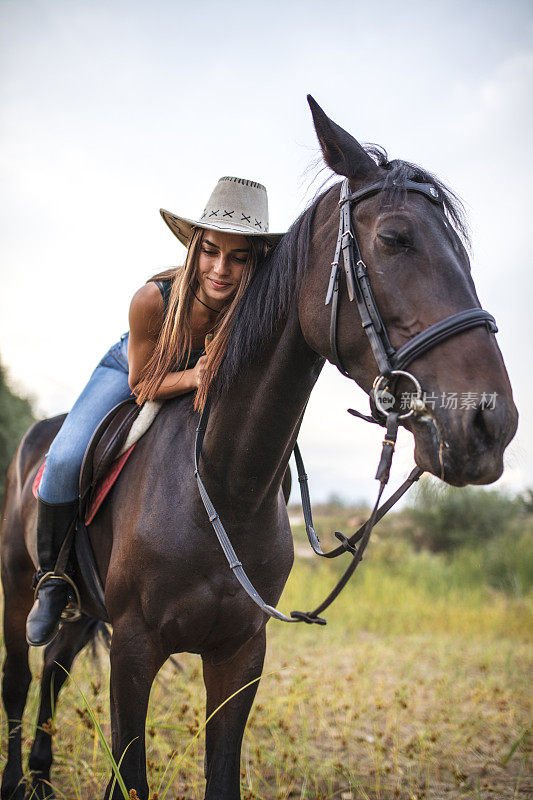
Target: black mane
x,y
277,280
267,299
399,171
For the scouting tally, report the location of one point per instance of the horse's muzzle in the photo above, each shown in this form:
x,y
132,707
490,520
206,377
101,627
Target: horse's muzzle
x,y
464,446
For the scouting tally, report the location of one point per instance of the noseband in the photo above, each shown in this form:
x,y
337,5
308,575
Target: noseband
x,y
391,364
389,360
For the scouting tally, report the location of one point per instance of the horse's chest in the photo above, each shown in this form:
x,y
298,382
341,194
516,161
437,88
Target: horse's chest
x,y
185,586
201,606
202,615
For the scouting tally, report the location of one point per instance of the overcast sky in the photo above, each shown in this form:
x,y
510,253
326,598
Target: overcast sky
x,y
113,109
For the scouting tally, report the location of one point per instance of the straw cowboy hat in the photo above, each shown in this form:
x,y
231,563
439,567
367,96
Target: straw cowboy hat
x,y
236,205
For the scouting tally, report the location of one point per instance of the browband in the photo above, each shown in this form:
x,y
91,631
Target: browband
x,y
427,189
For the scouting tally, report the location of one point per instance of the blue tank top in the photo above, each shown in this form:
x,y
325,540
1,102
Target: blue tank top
x,y
165,286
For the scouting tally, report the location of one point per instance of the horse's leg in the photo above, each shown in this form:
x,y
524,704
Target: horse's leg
x,y
136,658
16,678
61,652
225,731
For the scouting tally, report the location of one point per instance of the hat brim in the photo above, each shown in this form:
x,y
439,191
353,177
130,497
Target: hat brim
x,y
183,228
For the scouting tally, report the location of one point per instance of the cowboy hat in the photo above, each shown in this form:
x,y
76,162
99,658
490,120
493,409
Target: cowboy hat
x,y
236,205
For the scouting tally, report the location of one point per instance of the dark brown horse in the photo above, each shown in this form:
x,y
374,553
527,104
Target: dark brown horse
x,y
167,585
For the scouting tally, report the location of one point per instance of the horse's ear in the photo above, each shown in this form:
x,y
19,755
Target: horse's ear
x,y
341,151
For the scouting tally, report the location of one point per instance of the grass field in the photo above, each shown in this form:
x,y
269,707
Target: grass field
x,y
418,687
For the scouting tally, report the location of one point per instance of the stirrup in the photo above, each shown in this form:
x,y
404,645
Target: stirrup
x,y
72,610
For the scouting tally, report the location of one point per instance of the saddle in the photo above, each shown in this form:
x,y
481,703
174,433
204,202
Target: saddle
x,y
108,450
105,456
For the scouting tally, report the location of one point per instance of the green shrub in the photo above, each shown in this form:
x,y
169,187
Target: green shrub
x,y
507,560
445,518
16,416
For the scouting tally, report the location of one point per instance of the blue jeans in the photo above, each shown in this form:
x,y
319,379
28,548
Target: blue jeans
x,y
108,385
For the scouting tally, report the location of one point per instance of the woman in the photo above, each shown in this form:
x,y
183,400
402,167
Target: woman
x,y
161,357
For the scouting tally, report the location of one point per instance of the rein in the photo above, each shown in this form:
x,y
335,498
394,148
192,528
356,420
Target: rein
x,y
391,364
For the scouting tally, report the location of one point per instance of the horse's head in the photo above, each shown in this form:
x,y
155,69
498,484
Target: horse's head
x,y
419,273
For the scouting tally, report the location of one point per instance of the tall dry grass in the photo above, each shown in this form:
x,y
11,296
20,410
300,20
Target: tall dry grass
x,y
417,688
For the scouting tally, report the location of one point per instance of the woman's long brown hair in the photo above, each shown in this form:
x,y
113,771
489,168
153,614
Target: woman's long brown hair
x,y
174,343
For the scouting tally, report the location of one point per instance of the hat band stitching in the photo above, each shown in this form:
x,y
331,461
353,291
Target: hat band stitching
x,y
236,225
244,218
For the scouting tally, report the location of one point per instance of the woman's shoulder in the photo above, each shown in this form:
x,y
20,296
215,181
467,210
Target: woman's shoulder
x,y
147,299
146,311
148,304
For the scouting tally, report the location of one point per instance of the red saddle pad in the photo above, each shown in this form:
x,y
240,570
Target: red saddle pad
x,y
103,486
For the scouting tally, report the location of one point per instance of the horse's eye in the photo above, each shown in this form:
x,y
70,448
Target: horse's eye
x,y
399,241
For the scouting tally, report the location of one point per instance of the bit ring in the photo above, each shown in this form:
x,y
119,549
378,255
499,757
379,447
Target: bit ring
x,y
416,402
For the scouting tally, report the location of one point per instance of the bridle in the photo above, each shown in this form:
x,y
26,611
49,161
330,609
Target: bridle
x,y
391,365
388,359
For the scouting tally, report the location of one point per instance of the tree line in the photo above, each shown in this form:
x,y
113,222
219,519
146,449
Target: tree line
x,y
16,416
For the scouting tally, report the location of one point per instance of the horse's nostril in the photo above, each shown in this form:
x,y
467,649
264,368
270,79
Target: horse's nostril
x,y
487,423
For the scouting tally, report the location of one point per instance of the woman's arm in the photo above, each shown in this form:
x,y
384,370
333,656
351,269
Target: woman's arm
x,y
146,319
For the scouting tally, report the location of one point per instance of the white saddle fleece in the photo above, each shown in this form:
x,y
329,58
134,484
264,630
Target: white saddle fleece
x,y
147,414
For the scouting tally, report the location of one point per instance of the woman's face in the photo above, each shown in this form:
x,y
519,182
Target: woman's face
x,y
221,262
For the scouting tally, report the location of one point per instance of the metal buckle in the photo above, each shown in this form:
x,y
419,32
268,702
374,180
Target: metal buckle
x,y
417,404
72,611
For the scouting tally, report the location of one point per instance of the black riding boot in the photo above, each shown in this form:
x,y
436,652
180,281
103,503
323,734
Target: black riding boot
x,y
53,521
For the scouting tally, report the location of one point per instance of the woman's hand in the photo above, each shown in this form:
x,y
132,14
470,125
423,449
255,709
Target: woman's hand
x,y
198,371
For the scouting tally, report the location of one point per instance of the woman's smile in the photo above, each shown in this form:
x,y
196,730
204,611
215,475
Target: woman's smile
x,y
219,284
221,262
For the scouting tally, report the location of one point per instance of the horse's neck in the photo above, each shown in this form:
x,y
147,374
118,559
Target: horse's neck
x,y
252,429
